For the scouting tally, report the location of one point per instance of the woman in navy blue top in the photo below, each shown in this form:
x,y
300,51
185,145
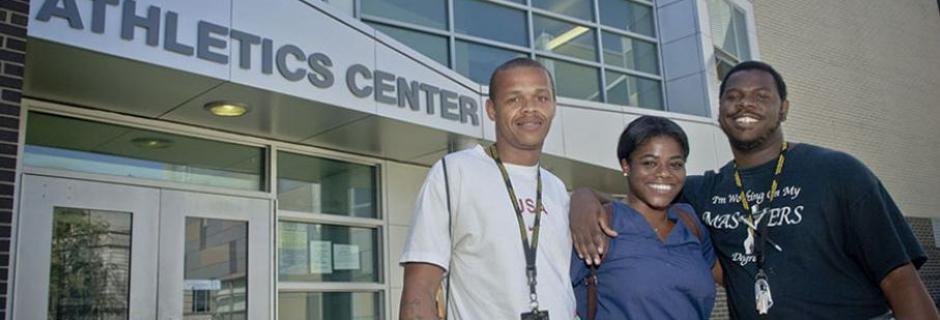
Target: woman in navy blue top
x,y
661,265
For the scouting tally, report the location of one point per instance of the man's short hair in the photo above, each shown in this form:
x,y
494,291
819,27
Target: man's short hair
x,y
645,128
519,62
756,65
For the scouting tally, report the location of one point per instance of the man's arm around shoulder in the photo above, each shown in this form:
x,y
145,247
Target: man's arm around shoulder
x,y
417,298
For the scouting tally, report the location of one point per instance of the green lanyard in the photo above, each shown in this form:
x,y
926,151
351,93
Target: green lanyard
x,y
770,199
530,251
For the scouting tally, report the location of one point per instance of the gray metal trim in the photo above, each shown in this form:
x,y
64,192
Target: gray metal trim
x,y
659,54
598,37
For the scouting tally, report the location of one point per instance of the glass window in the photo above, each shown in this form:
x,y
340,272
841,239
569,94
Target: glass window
x,y
574,80
729,31
627,15
79,145
477,61
624,89
724,64
321,252
581,9
564,38
491,21
740,32
428,13
90,264
330,305
435,47
318,185
215,276
630,53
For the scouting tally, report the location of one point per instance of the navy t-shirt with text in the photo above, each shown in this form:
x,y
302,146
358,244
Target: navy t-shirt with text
x,y
839,232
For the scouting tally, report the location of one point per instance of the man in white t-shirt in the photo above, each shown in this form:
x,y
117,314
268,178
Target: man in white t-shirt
x,y
481,242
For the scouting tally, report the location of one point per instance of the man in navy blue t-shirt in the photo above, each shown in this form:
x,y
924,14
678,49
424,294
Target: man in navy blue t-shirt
x,y
801,231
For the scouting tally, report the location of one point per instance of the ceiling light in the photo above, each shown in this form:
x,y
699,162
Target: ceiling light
x,y
151,142
227,109
565,37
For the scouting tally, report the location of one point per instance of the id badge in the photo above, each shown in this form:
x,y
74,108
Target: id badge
x,y
540,315
762,293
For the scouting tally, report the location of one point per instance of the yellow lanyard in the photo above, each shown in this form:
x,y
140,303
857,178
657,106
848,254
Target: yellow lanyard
x,y
770,197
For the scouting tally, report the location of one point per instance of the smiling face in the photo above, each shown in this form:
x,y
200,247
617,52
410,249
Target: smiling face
x,y
522,108
751,110
656,173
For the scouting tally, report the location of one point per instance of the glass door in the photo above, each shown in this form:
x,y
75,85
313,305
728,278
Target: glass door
x,y
215,257
85,250
94,250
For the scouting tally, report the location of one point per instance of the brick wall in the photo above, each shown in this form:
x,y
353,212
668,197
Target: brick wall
x,y
930,271
13,17
721,306
863,78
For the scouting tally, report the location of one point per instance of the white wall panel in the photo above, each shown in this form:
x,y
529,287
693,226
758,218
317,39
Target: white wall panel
x,y
591,135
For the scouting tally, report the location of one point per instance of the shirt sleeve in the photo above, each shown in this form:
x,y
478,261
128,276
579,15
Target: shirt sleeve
x,y
708,250
429,238
879,237
691,191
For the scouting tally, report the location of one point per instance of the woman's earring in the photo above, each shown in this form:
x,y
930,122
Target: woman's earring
x,y
626,174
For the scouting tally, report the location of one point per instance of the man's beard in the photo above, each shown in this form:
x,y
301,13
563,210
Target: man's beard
x,y
751,145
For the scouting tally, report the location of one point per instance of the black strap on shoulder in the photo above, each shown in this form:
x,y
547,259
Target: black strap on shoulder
x,y
450,233
590,282
687,219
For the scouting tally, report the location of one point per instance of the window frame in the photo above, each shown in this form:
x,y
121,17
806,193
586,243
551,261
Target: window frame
x,y
594,25
723,56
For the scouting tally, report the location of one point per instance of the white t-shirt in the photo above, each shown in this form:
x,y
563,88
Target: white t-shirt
x,y
488,279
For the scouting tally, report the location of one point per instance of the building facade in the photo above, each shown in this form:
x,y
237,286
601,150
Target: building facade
x,y
249,159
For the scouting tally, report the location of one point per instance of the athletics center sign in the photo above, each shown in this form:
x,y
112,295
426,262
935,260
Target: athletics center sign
x,y
286,46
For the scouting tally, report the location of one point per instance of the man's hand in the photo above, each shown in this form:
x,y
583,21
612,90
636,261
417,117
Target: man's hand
x,y
417,297
907,295
590,225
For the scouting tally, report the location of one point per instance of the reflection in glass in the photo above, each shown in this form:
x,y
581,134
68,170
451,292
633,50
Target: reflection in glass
x,y
580,9
740,32
719,14
628,90
329,305
630,53
85,146
321,252
564,38
729,32
574,80
89,277
477,61
490,21
215,276
318,185
435,47
421,12
627,15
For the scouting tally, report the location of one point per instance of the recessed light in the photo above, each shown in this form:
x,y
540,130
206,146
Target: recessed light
x,y
151,142
226,108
